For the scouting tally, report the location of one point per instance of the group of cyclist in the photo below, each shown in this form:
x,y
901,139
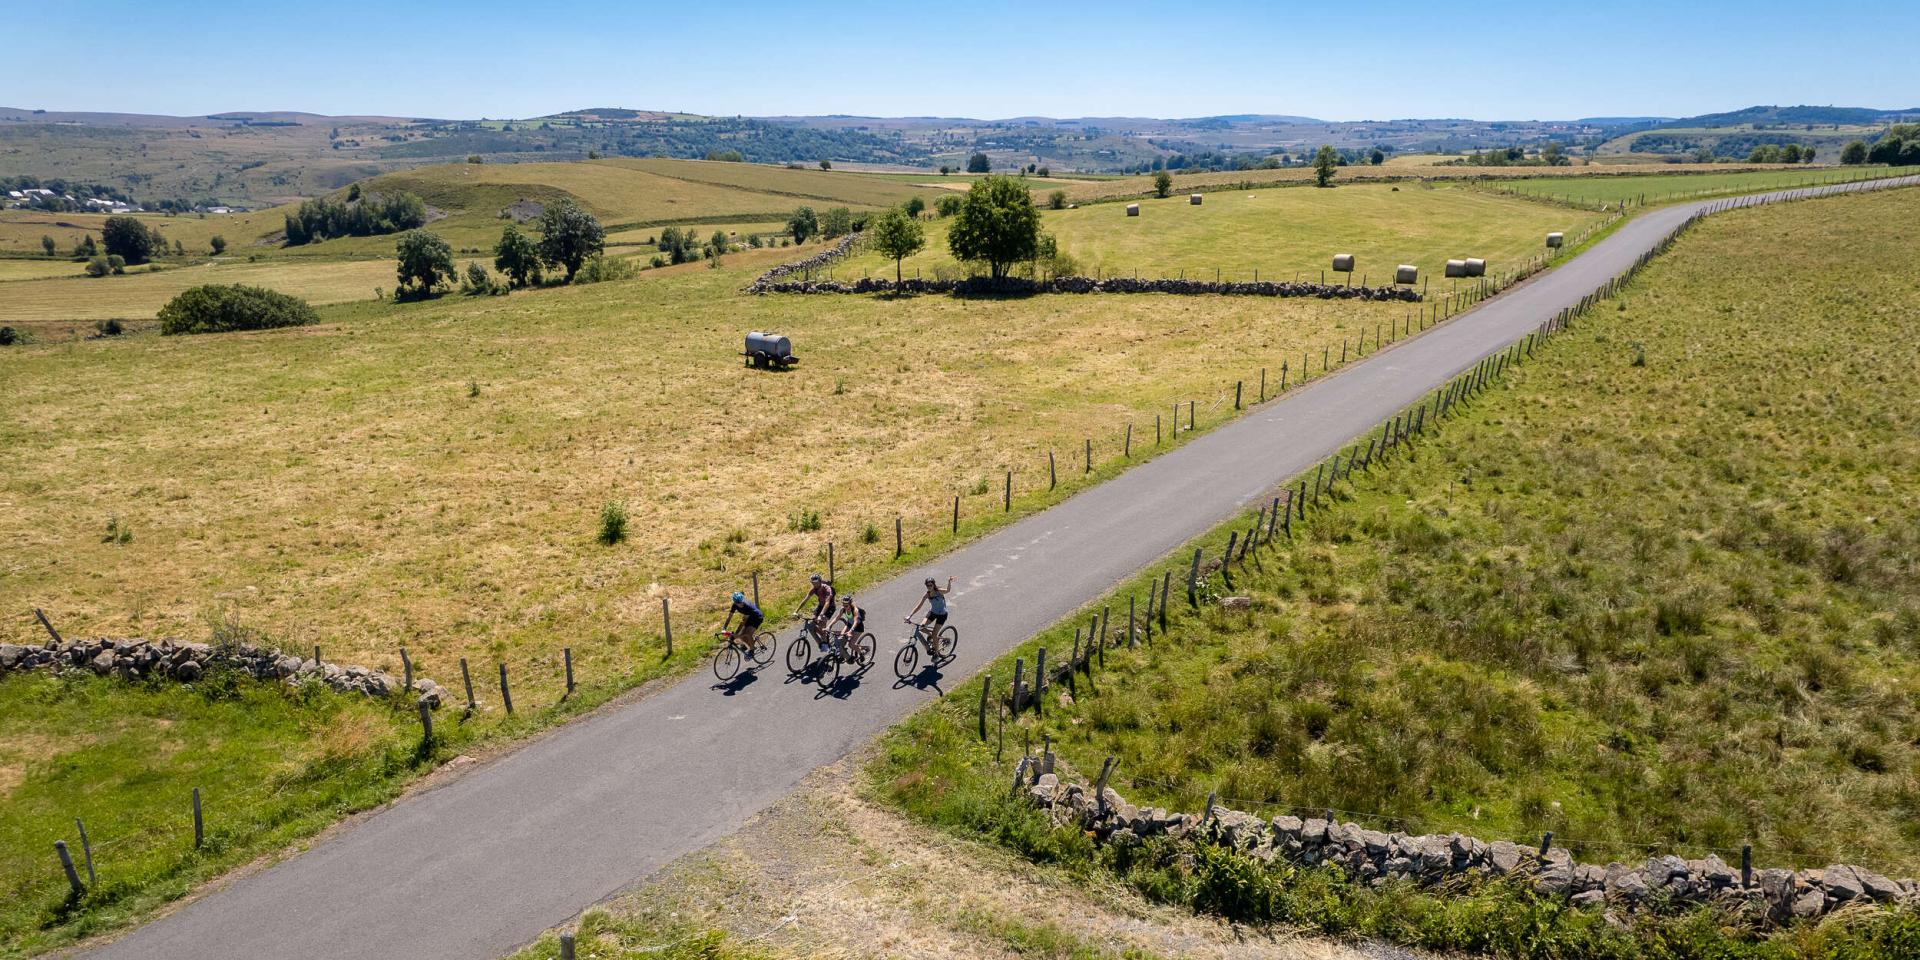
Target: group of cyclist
x,y
836,619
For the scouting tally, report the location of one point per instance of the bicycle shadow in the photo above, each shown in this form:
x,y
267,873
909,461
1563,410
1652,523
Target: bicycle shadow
x,y
844,687
741,681
927,677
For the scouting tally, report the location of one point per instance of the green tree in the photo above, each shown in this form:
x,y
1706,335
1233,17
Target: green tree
x,y
803,224
1790,153
836,222
719,241
517,256
426,262
1379,156
826,164
897,236
47,244
129,238
568,236
915,207
85,249
978,163
1162,184
947,205
1325,161
1057,200
218,244
997,225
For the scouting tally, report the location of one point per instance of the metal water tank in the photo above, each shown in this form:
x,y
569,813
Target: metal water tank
x,y
1406,273
769,349
1343,262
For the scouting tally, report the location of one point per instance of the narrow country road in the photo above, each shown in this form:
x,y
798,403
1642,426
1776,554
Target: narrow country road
x,y
477,867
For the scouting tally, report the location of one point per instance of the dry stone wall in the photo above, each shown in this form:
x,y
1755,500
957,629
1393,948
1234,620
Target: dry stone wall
x,y
1020,286
188,662
1374,857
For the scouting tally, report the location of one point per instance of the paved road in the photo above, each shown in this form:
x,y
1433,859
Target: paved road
x,y
477,867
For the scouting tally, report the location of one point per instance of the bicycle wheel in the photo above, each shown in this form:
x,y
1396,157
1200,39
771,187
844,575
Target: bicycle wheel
x,y
799,654
949,642
726,662
830,670
865,647
763,647
907,660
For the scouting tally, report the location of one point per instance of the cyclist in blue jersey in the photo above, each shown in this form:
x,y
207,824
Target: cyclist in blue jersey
x,y
750,619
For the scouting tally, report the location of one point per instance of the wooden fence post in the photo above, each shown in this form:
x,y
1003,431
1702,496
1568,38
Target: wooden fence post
x,y
899,542
426,722
566,653
1226,560
48,626
666,622
956,517
1153,596
756,588
1166,587
506,695
1040,682
1193,581
86,850
1126,446
1053,476
1130,641
830,567
66,864
199,825
467,679
986,685
1019,673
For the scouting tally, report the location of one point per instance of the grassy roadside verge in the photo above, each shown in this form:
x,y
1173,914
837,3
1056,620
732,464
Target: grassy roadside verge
x,y
1722,648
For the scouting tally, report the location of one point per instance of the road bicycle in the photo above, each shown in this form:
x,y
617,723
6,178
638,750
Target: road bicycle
x,y
845,656
939,648
801,650
735,653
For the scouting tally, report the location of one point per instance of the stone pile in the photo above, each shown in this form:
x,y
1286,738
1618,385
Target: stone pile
x,y
188,662
1374,857
1020,286
803,267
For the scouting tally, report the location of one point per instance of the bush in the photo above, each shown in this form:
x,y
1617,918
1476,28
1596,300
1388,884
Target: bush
x,y
479,283
1162,184
108,328
218,244
218,308
1057,200
613,523
9,336
97,267
600,269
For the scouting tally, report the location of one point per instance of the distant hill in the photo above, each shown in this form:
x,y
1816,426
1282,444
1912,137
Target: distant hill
x,y
1856,116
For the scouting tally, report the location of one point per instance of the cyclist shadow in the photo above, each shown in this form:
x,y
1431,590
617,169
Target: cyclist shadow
x,y
844,687
927,677
741,681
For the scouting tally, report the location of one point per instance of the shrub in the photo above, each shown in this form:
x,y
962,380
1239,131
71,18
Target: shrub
x,y
613,523
217,308
478,282
218,244
117,264
947,206
97,267
8,336
1162,184
805,521
108,328
803,224
836,222
601,269
1057,200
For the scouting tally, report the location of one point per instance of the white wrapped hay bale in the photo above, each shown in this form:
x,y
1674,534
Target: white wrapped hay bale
x,y
1556,239
1194,199
1406,273
1456,268
1133,209
1476,267
1343,263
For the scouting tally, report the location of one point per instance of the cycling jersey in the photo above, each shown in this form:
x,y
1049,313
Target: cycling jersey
x,y
854,620
823,592
936,603
749,613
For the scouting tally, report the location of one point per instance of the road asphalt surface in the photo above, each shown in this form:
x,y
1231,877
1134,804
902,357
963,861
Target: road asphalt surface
x,y
485,863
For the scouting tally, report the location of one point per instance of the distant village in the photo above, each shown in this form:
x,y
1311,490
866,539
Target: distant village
x,y
42,198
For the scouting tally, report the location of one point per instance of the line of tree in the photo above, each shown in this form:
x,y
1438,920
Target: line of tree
x,y
324,218
1898,147
1780,153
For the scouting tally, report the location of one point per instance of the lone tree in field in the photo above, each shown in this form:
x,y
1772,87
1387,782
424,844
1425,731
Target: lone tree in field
x,y
947,206
1057,200
915,207
1162,184
568,236
897,236
1324,163
803,224
517,256
978,163
47,244
1854,154
836,222
129,238
218,244
426,262
1379,156
997,224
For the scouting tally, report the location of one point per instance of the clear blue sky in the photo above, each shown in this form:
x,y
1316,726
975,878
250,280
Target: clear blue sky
x,y
1360,60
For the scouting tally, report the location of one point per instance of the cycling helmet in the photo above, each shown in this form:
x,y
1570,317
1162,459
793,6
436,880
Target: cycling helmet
x,y
846,600
931,581
815,578
738,596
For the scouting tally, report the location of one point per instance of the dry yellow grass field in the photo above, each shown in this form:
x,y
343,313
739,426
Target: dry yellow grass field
x,y
339,485
1186,182
140,294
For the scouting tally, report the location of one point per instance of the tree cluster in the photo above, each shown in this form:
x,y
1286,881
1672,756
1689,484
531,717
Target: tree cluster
x,y
131,240
1898,147
324,218
216,308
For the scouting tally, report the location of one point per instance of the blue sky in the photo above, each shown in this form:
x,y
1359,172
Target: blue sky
x,y
1359,60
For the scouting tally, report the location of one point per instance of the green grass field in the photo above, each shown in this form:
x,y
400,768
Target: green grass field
x,y
1283,234
1626,597
125,758
1655,188
141,293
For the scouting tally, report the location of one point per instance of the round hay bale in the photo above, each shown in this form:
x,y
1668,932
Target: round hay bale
x,y
1343,262
1133,209
1406,273
1476,267
1556,239
1456,268
1194,199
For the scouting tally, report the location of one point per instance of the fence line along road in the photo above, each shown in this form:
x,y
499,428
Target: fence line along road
x,y
488,861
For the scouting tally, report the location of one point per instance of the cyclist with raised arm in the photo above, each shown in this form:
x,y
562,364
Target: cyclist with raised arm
x,y
820,594
935,600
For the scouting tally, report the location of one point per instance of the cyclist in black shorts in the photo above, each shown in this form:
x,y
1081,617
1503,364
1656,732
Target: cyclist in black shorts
x,y
935,600
750,619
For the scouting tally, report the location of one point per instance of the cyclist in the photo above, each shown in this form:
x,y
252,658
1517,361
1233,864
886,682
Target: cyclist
x,y
750,618
820,592
935,600
851,622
